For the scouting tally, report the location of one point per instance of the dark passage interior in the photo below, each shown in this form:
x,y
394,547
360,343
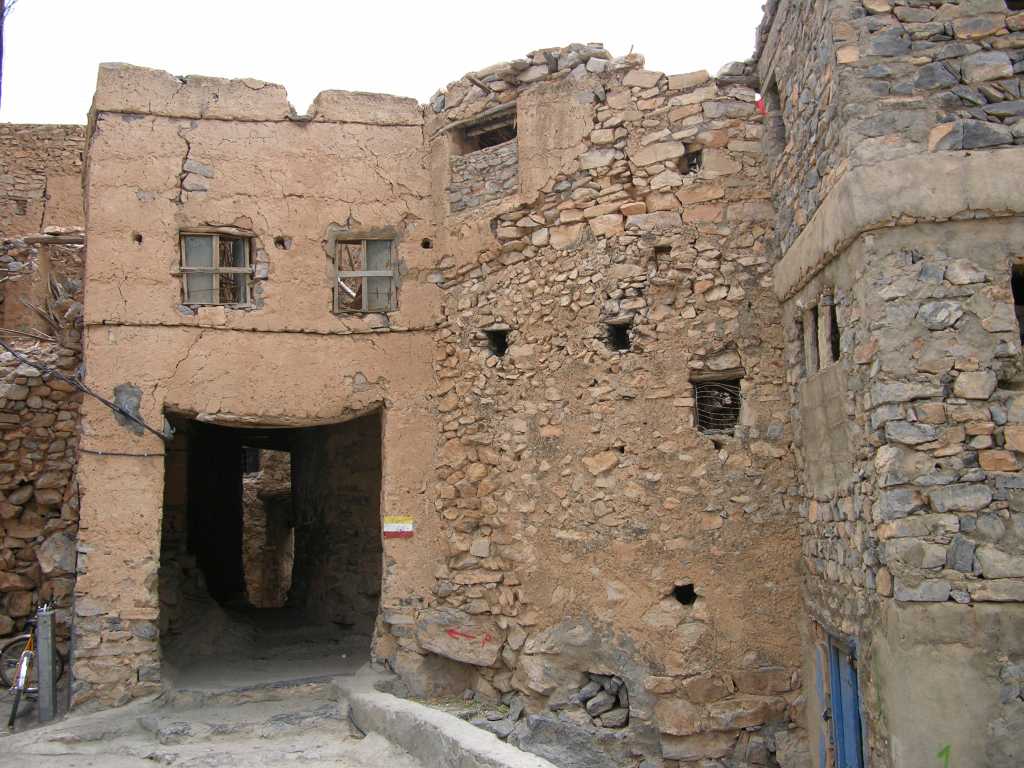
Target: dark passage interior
x,y
271,555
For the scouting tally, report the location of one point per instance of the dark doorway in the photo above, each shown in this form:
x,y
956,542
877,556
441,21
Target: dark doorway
x,y
270,536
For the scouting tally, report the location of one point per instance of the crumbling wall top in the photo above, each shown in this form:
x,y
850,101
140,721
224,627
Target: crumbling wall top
x,y
127,89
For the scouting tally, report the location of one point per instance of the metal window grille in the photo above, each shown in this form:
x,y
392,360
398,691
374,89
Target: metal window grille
x,y
217,268
717,405
364,276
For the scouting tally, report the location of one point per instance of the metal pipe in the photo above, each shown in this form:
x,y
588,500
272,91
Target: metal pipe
x,y
46,659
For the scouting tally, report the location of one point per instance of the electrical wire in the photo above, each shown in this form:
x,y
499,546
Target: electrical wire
x,y
83,388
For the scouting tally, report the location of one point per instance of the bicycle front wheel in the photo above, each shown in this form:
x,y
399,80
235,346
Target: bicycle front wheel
x,y
11,655
9,658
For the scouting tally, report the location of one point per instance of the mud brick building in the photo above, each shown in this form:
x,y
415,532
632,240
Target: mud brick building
x,y
679,413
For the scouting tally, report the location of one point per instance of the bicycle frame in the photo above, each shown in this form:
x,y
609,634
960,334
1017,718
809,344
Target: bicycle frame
x,y
25,662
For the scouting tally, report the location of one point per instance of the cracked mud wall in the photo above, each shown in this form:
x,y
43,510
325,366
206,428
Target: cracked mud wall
x,y
358,163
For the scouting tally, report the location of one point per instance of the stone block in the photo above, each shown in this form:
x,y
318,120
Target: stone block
x,y
459,636
57,554
677,717
658,153
689,80
998,590
997,564
432,676
703,689
701,746
986,65
961,497
744,712
979,134
642,78
921,591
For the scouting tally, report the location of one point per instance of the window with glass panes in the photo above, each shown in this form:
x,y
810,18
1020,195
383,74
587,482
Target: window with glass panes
x,y
216,268
364,276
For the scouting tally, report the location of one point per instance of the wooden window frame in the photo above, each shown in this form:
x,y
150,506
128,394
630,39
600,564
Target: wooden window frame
x,y
215,234
363,274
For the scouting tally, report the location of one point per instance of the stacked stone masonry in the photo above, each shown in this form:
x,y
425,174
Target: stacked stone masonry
x,y
40,177
483,176
39,437
637,588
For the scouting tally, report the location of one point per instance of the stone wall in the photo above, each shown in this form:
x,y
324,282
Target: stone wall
x,y
593,531
905,430
268,539
866,82
483,176
38,446
40,177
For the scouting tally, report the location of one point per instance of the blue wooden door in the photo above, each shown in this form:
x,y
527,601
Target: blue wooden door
x,y
846,731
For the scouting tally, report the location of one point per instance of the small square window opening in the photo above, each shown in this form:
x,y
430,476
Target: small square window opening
x,y
217,268
618,336
717,405
364,276
497,341
489,132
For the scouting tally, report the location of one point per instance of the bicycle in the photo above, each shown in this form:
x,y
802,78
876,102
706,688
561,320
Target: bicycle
x,y
17,669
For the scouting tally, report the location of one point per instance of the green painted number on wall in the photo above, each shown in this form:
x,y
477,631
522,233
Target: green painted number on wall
x,y
944,756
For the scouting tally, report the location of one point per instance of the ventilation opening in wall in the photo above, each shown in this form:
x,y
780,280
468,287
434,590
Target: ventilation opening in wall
x,y
685,594
1017,284
717,405
618,336
1015,5
497,341
488,132
692,161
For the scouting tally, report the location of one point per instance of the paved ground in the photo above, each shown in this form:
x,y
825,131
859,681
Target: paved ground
x,y
297,724
248,688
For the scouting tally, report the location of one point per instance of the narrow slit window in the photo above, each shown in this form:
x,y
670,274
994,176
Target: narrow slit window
x,y
833,321
775,126
216,268
1017,285
618,336
718,405
693,161
811,340
364,276
799,324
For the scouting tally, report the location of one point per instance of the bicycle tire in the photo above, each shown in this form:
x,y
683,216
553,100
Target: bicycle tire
x,y
14,708
10,655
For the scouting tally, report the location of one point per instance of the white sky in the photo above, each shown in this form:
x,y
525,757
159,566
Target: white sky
x,y
53,47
